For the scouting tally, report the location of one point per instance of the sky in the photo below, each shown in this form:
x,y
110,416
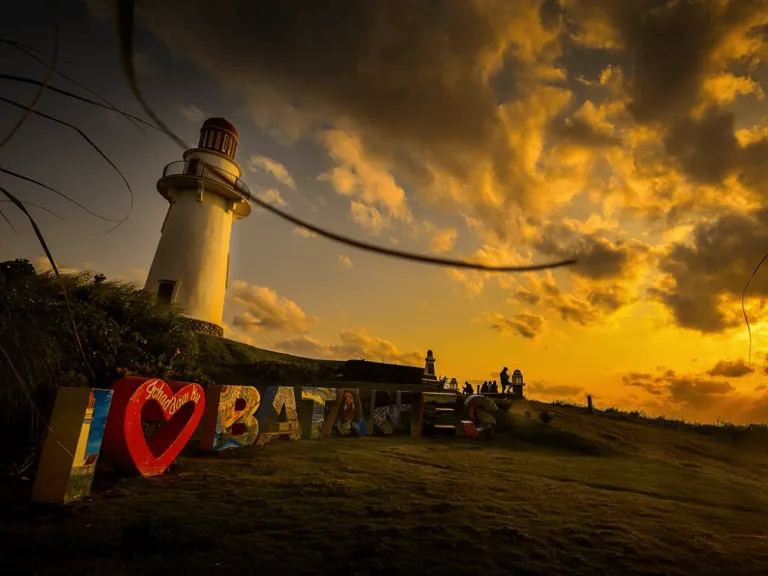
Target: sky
x,y
631,135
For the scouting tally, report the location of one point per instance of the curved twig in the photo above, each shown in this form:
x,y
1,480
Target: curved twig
x,y
28,203
423,258
744,310
125,18
107,106
90,142
39,234
36,99
75,202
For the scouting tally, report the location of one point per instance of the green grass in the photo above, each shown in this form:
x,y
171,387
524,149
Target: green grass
x,y
585,494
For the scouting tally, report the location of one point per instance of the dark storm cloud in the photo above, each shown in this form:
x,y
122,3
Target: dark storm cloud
x,y
706,149
411,73
579,133
598,258
718,261
670,45
692,390
731,369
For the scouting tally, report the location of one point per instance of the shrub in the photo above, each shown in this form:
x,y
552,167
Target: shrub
x,y
120,331
545,416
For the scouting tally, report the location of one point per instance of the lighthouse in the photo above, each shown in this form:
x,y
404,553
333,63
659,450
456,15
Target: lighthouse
x,y
205,195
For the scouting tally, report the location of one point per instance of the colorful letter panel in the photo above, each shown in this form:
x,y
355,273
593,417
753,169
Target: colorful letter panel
x,y
347,417
277,415
315,406
229,419
390,415
179,405
479,420
438,413
72,445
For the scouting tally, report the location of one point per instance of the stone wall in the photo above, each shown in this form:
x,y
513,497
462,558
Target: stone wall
x,y
206,327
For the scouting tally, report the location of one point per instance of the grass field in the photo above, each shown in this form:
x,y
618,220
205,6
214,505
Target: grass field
x,y
585,494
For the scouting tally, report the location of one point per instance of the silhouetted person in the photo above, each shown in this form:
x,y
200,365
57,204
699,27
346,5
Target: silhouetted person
x,y
484,388
493,388
468,388
504,376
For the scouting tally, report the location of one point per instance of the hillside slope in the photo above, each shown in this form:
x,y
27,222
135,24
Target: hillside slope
x,y
586,494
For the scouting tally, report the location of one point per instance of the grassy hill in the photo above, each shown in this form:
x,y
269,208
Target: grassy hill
x,y
603,493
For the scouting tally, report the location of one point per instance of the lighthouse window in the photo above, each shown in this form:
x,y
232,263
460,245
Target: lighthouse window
x,y
217,144
165,291
225,144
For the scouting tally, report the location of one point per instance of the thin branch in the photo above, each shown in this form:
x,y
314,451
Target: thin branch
x,y
21,46
36,99
90,142
43,243
107,106
125,19
9,222
744,310
75,202
43,208
424,259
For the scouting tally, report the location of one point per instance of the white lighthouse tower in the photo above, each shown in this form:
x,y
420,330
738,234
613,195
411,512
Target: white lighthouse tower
x,y
206,195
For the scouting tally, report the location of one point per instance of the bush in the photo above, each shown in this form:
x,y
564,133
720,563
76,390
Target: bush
x,y
545,416
120,332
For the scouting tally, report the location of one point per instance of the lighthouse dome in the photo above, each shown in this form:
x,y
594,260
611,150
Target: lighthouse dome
x,y
219,135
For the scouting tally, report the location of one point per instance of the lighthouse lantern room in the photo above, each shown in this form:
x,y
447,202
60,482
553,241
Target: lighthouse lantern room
x,y
205,196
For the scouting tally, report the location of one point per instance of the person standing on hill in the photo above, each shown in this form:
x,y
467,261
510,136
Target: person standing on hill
x,y
504,377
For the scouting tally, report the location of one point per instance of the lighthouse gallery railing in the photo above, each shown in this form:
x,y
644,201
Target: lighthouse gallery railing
x,y
207,172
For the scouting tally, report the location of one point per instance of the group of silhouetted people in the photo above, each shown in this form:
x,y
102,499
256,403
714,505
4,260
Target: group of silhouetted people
x,y
490,387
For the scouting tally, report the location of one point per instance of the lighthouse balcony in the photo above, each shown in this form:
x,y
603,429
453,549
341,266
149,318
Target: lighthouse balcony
x,y
178,174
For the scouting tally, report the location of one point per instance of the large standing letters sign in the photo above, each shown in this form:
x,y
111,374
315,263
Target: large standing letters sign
x,y
85,420
478,408
72,446
277,415
390,415
346,417
179,405
229,419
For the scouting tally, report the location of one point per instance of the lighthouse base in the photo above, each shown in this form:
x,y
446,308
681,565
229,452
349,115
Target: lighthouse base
x,y
205,327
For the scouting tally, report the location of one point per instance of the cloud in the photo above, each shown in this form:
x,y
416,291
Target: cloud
x,y
527,325
304,233
731,369
353,344
42,264
271,196
360,173
367,217
703,277
598,258
193,114
265,310
345,261
689,390
279,172
564,391
589,303
443,240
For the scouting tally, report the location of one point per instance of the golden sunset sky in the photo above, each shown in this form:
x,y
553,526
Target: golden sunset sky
x,y
632,135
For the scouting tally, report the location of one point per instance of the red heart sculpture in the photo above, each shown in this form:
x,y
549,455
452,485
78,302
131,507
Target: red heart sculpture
x,y
179,404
